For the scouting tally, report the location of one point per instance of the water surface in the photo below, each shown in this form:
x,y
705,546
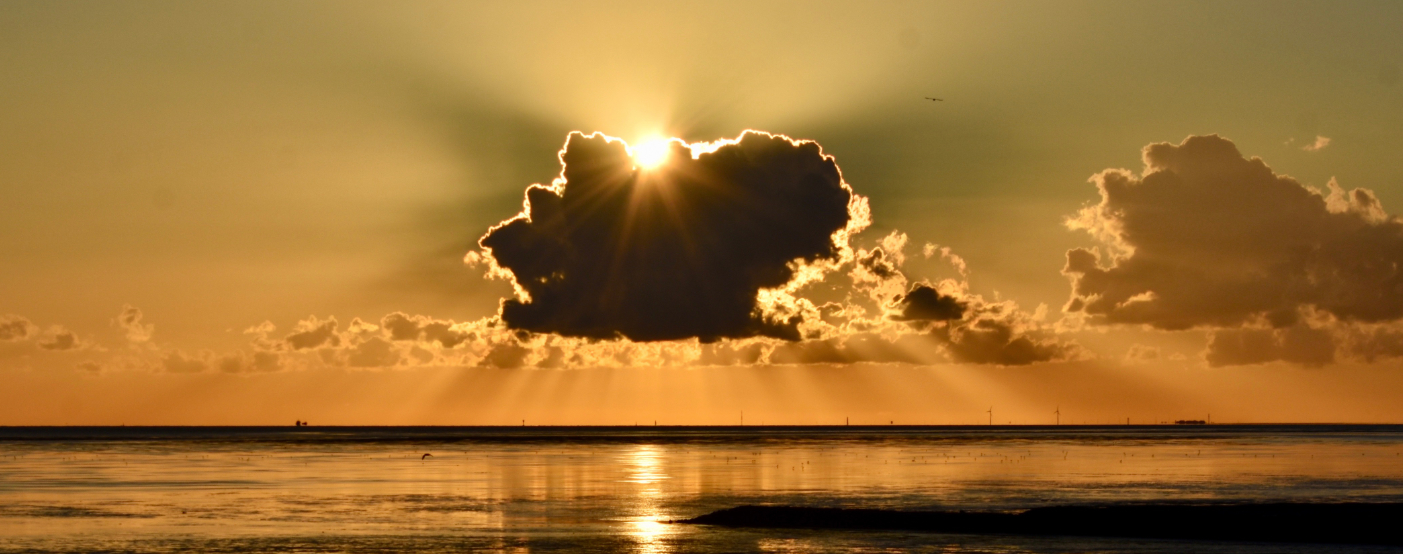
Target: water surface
x,y
542,489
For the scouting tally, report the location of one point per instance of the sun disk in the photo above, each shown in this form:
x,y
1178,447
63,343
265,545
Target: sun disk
x,y
650,153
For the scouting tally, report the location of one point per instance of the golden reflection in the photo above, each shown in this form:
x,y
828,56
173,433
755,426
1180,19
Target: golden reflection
x,y
645,468
512,489
649,535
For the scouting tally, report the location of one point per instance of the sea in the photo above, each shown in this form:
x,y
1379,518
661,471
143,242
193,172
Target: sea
x,y
623,489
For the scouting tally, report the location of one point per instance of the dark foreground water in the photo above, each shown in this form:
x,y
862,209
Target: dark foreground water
x,y
534,489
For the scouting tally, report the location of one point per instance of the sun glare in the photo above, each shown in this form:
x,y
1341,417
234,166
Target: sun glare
x,y
650,153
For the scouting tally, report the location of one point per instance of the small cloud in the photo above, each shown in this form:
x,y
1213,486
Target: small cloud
x,y
178,362
58,338
262,329
404,327
931,249
924,303
259,361
375,352
1142,353
359,327
312,333
1320,143
15,328
473,258
130,321
506,356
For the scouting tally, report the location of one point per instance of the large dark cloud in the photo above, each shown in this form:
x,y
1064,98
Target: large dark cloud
x,y
675,252
1208,238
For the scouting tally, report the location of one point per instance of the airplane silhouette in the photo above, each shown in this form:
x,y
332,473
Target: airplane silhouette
x,y
935,99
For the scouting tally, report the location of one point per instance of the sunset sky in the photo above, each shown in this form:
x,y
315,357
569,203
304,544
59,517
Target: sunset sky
x,y
256,212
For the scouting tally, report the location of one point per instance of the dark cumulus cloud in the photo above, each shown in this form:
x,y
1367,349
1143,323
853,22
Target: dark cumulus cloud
x,y
1277,271
924,303
1208,238
678,251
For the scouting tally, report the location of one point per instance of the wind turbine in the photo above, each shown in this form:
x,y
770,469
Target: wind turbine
x,y
991,416
1058,411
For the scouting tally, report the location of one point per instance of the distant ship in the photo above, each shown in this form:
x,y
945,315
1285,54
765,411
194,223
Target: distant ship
x,y
1190,422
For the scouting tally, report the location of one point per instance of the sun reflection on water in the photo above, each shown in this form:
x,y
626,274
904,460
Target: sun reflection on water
x,y
645,465
646,469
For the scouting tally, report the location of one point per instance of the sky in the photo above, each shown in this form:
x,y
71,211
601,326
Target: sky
x,y
256,212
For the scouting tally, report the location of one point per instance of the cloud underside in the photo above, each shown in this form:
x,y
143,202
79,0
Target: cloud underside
x,y
1206,238
680,251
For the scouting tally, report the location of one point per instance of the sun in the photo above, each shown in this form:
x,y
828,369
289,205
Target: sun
x,y
651,152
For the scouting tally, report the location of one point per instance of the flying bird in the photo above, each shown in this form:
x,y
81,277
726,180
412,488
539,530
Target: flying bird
x,y
935,99
426,455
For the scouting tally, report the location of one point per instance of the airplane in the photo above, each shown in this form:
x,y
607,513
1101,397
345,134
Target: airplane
x,y
935,99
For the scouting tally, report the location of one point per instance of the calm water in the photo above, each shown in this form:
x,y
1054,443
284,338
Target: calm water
x,y
534,489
